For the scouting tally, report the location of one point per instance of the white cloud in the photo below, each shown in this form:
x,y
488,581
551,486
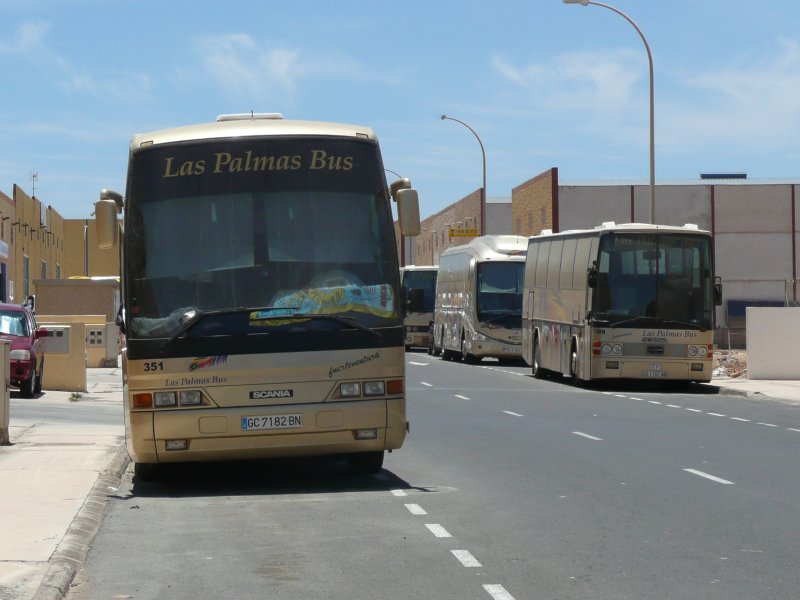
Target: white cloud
x,y
27,37
595,82
242,65
752,104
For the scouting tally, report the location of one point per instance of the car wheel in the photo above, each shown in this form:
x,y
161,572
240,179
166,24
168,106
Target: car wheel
x,y
37,388
26,387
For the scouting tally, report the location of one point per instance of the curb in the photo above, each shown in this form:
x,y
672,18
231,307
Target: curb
x,y
74,547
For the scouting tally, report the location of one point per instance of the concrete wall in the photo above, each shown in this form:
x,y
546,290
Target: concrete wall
x,y
78,297
772,335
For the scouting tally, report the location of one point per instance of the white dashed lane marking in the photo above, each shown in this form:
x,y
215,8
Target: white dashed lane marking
x,y
707,476
513,414
465,558
498,592
438,530
587,436
416,509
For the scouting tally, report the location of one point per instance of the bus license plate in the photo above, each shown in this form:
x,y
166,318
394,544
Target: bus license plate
x,y
272,422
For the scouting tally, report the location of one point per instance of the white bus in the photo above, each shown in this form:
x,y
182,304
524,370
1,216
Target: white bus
x,y
626,301
417,323
259,276
479,299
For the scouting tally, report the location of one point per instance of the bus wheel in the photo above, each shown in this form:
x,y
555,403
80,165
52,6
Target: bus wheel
x,y
147,471
468,358
573,365
367,463
536,368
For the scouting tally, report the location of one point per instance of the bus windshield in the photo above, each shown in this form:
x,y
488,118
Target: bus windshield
x,y
654,279
256,245
424,280
500,293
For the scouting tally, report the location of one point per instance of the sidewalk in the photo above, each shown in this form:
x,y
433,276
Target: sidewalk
x,y
784,390
54,482
56,477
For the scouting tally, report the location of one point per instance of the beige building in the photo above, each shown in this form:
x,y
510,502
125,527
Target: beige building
x,y
32,236
38,244
82,257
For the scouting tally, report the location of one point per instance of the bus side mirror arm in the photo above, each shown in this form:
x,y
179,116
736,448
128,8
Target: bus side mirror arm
x,y
717,291
591,276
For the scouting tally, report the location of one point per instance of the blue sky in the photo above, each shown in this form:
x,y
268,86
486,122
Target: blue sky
x,y
543,83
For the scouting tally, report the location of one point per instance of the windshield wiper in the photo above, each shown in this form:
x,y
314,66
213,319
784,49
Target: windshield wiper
x,y
339,319
638,319
199,315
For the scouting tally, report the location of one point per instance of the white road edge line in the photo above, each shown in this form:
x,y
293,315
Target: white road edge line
x,y
438,530
637,399
697,410
715,414
707,476
465,558
462,397
766,424
587,436
498,592
740,419
411,362
416,509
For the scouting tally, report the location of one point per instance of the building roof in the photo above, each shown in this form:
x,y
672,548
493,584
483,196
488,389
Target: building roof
x,y
664,183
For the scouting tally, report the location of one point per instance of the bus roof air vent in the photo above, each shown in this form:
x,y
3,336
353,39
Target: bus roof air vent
x,y
691,226
251,116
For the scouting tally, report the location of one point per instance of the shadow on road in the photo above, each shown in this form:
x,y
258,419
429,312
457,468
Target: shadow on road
x,y
271,477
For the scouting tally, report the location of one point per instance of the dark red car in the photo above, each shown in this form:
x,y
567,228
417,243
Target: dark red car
x,y
18,325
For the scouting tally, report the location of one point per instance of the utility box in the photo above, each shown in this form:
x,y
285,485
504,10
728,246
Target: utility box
x,y
57,339
65,352
5,392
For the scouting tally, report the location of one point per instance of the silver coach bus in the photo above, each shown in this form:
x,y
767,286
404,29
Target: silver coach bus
x,y
479,299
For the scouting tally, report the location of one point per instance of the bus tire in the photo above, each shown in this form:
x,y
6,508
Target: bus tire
x,y
536,368
466,357
573,365
147,471
367,463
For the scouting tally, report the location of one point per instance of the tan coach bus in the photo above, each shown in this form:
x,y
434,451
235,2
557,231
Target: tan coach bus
x,y
261,294
631,301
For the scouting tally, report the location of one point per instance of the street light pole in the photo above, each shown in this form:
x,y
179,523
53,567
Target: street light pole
x,y
483,188
652,99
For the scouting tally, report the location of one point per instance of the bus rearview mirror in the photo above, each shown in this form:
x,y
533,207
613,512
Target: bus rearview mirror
x,y
408,211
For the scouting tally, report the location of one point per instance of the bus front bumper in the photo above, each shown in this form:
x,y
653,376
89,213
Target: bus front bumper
x,y
168,436
649,369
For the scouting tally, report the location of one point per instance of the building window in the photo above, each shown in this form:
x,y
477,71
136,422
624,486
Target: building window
x,y
58,270
43,270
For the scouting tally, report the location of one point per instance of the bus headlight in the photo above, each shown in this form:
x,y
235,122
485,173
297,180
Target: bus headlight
x,y
374,388
348,390
164,398
191,397
699,351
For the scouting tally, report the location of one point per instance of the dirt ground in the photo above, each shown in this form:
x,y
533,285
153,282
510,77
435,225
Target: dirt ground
x,y
729,363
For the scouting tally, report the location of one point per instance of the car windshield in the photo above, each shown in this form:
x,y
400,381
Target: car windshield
x,y
13,323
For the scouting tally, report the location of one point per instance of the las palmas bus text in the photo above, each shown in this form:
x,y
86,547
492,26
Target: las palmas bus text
x,y
224,162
